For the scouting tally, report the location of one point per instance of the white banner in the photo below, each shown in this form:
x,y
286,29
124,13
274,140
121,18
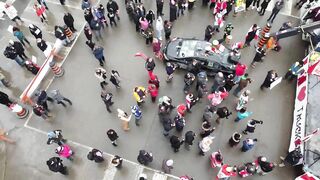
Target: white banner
x,y
307,176
300,109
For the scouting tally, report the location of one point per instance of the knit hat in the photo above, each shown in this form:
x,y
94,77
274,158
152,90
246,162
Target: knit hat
x,y
215,42
169,162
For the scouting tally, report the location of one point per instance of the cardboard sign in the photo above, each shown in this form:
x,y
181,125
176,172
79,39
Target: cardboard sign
x,y
276,82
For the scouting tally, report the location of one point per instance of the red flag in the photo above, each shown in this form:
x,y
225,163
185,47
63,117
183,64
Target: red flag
x,y
139,54
314,68
307,176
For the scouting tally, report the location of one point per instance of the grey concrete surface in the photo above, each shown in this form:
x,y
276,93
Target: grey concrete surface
x,y
87,120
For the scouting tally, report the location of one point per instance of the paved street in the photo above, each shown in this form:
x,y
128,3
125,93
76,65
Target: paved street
x,y
85,123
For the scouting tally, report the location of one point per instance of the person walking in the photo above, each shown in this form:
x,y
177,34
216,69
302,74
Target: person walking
x,y
117,161
189,78
292,158
136,111
153,90
101,74
168,124
12,13
113,136
167,26
125,118
202,79
59,33
242,114
112,6
243,83
42,98
229,82
264,6
57,96
55,165
65,151
62,2
251,126
270,78
276,9
107,99
295,70
191,4
68,20
206,129
20,36
159,28
251,34
115,78
11,53
55,136
98,54
264,167
218,81
150,65
111,15
176,143
222,112
40,111
248,144
160,7
189,137
88,33
41,12
95,155
96,26
235,139
204,145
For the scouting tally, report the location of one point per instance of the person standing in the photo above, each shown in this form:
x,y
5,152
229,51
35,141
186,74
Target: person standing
x,y
208,113
62,2
4,99
229,82
55,136
191,100
96,28
43,98
55,165
59,33
11,53
144,157
167,29
159,28
295,70
12,13
19,49
191,4
243,100
222,112
260,54
167,166
173,11
57,96
113,136
208,33
248,144
139,93
202,79
251,34
227,31
206,129
240,71
153,90
264,6
181,6
270,78
276,9
218,82
189,78
170,69
20,36
125,118
101,74
88,33
98,54
68,20
160,7
243,83
188,139
176,143
292,158
136,111
40,111
95,155
150,17
235,139
112,6
180,122
117,161
35,31
111,15
204,145
255,4
107,99
115,78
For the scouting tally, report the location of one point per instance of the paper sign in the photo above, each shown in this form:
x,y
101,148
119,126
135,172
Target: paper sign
x,y
10,28
275,83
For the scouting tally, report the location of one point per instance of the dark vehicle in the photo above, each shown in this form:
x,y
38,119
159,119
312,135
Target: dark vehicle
x,y
183,50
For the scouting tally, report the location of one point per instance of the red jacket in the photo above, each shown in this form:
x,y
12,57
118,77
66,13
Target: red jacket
x,y
240,69
153,90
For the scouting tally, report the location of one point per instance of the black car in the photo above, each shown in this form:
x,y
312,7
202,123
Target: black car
x,y
183,51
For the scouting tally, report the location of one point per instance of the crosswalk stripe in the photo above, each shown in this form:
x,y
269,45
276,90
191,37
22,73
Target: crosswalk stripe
x,y
110,172
66,5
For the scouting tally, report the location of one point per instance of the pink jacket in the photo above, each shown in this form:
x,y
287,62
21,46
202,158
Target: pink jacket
x,y
240,69
65,152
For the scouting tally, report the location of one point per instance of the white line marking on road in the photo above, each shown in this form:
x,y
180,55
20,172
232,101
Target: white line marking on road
x,y
69,6
110,172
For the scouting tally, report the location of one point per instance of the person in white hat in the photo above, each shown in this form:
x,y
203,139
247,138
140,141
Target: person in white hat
x,y
204,145
167,165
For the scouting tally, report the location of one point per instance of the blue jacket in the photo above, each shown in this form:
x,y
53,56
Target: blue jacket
x,y
243,115
296,69
98,52
19,35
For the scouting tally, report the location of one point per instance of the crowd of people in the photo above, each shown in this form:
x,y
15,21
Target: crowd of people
x,y
151,25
